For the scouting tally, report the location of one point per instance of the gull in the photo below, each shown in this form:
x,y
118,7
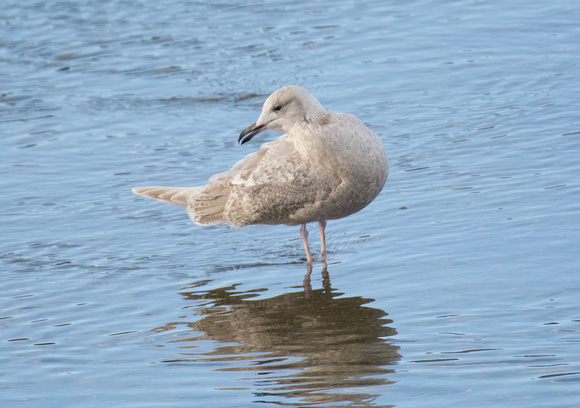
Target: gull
x,y
326,166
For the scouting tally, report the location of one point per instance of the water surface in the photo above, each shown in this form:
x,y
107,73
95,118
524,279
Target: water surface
x,y
457,286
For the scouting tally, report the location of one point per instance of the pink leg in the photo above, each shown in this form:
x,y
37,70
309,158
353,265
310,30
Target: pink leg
x,y
321,226
304,236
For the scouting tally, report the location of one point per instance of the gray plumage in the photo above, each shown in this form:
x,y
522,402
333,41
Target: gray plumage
x,y
326,166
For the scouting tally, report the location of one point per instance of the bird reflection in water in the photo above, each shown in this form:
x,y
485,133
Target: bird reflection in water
x,y
326,341
307,284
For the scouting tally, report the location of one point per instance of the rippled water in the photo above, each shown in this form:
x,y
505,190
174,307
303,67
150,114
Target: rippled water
x,y
458,286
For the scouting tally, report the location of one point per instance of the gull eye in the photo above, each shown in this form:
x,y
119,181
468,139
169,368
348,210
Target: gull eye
x,y
277,108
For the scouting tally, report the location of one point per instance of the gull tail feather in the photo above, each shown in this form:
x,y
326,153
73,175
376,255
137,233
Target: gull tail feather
x,y
171,195
205,205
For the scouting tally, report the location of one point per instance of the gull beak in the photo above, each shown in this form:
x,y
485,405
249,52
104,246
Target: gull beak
x,y
249,132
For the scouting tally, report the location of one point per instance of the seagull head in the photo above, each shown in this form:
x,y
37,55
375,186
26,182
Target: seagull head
x,y
282,110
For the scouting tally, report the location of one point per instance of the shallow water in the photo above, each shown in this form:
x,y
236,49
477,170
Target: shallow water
x,y
457,286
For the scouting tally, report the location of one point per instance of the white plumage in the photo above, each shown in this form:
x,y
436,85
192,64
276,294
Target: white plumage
x,y
326,166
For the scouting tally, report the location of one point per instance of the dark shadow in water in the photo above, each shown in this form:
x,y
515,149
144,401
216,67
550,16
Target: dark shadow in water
x,y
311,347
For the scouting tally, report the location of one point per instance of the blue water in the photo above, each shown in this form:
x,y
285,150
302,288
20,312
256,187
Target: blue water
x,y
458,286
